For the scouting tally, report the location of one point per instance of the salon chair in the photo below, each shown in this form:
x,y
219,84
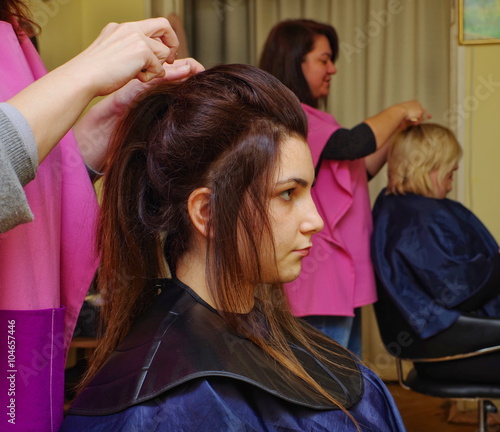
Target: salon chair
x,y
468,338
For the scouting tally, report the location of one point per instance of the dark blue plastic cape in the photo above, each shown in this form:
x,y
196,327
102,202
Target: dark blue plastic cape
x,y
181,368
431,255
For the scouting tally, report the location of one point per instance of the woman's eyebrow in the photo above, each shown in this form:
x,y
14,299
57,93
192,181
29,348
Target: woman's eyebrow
x,y
302,182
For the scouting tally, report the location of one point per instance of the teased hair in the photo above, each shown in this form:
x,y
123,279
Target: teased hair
x,y
415,153
219,129
285,49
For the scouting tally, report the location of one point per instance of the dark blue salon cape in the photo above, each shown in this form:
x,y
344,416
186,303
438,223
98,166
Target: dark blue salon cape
x,y
431,255
182,368
222,405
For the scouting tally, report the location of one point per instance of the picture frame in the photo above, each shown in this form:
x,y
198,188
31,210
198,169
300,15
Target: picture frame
x,y
479,22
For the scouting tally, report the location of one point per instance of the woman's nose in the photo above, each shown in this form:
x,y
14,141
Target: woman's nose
x,y
313,222
332,69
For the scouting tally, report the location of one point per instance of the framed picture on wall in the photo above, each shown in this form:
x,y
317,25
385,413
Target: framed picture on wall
x,y
479,21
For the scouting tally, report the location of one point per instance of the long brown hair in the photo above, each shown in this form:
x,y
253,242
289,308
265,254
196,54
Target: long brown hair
x,y
284,51
220,129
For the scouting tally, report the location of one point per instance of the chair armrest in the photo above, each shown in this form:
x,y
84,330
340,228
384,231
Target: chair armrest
x,y
467,336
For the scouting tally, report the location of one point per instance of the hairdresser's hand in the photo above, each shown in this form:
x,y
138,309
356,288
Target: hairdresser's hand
x,y
178,71
388,122
120,53
414,113
125,51
182,69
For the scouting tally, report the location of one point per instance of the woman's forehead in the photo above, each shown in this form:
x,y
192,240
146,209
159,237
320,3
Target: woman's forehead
x,y
295,160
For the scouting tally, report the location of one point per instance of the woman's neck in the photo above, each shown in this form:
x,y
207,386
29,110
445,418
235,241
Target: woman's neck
x,y
191,270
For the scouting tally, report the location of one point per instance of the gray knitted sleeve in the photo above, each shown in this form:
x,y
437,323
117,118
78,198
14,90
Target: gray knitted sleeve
x,y
18,165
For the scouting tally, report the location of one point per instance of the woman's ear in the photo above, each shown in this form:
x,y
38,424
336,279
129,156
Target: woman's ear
x,y
198,207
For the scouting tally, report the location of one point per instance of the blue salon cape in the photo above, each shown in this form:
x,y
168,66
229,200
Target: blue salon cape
x,y
225,405
182,368
431,255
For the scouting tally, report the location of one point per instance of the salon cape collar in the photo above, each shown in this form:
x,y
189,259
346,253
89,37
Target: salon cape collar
x,y
181,338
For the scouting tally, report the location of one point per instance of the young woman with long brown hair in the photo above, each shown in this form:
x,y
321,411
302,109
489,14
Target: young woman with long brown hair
x,y
212,179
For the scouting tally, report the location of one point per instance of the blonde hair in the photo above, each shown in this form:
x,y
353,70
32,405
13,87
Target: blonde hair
x,y
418,151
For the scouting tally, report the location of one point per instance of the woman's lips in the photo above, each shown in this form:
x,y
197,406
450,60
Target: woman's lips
x,y
304,252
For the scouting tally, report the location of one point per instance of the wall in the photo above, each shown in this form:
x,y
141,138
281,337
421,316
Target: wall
x,y
61,27
479,111
70,26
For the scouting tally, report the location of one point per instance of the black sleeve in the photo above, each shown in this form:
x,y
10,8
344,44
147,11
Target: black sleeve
x,y
350,144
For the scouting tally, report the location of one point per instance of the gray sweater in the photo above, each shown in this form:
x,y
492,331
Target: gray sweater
x,y
18,165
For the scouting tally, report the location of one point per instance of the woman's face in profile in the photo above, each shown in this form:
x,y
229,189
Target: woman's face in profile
x,y
292,213
318,67
444,187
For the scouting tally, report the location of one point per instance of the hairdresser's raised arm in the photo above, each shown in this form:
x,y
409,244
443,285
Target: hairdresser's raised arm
x,y
120,53
387,122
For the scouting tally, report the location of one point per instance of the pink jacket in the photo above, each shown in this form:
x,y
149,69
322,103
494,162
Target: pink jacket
x,y
337,276
46,266
51,261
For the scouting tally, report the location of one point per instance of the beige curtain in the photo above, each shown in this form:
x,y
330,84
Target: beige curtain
x,y
390,51
220,31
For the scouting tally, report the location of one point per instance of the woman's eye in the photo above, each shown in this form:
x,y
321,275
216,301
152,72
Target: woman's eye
x,y
287,195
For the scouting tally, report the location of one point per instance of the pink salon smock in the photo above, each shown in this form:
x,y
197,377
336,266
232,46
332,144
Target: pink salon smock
x,y
337,276
46,266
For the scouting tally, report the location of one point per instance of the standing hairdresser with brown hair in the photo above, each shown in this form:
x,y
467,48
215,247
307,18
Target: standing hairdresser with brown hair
x,y
337,278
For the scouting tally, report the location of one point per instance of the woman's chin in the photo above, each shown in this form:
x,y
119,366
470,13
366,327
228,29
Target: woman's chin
x,y
290,275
